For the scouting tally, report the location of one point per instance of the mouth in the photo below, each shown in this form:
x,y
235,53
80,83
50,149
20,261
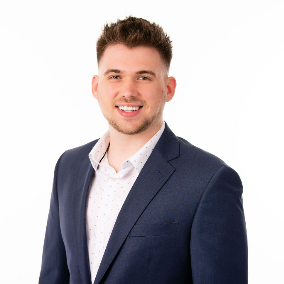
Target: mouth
x,y
129,108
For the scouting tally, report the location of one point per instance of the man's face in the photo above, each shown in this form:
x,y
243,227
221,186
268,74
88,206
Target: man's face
x,y
132,88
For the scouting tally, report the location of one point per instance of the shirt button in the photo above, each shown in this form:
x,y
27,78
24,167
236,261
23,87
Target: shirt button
x,y
103,221
98,265
113,179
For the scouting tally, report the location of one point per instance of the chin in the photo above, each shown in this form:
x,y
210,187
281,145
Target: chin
x,y
129,128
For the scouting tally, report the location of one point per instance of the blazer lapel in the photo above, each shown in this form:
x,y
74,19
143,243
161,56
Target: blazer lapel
x,y
153,176
85,172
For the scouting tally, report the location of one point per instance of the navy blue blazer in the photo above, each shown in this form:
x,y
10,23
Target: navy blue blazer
x,y
182,222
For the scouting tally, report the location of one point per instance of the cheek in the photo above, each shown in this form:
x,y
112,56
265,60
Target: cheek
x,y
156,95
107,89
105,95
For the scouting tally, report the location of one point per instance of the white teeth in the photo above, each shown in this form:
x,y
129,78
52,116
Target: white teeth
x,y
128,108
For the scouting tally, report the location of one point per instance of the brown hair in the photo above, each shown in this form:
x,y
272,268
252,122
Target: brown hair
x,y
133,32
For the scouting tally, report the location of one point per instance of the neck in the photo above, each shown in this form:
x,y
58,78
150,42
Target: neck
x,y
123,146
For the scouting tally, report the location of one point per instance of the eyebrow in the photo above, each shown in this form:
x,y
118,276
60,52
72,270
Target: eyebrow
x,y
112,71
117,71
146,72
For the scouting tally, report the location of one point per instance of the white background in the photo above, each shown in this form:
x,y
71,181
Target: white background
x,y
229,64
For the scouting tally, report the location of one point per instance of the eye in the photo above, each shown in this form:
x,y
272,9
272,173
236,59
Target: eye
x,y
114,77
143,78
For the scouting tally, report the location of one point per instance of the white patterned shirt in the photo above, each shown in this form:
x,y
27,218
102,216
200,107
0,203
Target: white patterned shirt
x,y
107,193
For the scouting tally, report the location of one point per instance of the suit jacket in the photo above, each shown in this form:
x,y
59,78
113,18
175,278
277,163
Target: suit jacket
x,y
182,222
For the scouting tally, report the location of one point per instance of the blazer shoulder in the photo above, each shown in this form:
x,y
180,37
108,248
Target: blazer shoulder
x,y
199,167
73,155
197,164
197,156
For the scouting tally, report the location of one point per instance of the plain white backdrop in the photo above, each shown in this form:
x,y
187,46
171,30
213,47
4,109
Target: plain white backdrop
x,y
228,59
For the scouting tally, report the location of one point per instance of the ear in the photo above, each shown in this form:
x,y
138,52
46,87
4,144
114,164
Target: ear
x,y
95,84
171,87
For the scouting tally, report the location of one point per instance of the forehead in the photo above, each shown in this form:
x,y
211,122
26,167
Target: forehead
x,y
131,59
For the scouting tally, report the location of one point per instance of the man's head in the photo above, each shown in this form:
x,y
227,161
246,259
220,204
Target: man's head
x,y
133,86
133,32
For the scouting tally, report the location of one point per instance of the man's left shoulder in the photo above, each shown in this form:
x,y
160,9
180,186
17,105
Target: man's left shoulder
x,y
197,157
198,167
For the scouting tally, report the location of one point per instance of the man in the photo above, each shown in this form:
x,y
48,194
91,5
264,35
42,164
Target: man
x,y
141,205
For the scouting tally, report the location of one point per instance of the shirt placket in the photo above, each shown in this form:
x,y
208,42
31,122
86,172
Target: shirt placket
x,y
103,216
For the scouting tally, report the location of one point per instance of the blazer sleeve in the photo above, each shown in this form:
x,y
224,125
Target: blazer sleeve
x,y
54,269
219,252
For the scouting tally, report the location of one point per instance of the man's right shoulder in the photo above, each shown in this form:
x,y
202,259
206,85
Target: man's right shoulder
x,y
77,153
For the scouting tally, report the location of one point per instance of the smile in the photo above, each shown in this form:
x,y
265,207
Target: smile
x,y
128,108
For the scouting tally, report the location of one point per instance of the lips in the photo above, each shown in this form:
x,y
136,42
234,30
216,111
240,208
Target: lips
x,y
128,108
128,111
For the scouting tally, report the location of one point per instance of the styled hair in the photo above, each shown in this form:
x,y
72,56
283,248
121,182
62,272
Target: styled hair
x,y
133,32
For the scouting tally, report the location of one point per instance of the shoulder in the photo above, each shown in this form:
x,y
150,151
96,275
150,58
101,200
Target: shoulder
x,y
198,166
182,154
81,150
198,158
202,170
73,156
190,162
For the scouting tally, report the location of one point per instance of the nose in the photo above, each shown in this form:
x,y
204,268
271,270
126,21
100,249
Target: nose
x,y
129,88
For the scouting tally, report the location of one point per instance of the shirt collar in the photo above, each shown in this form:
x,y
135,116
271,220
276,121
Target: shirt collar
x,y
137,160
99,150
